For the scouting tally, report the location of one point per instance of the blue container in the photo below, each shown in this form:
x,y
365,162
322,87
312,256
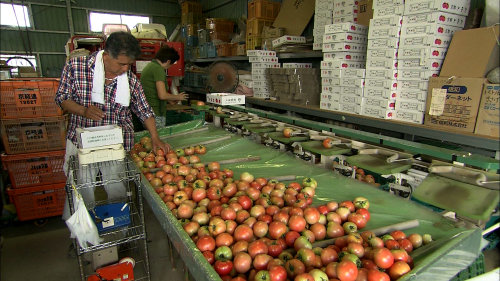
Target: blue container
x,y
111,216
192,41
211,50
203,51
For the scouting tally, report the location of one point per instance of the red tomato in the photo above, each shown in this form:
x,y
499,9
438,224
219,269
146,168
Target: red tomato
x,y
206,243
297,223
311,215
398,234
347,270
406,245
327,143
223,267
304,277
349,205
294,267
383,258
277,229
290,237
392,244
376,275
277,273
243,232
257,247
398,269
400,255
224,239
242,262
209,255
357,219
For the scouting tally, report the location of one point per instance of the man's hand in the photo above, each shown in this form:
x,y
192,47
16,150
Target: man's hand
x,y
158,143
93,113
182,96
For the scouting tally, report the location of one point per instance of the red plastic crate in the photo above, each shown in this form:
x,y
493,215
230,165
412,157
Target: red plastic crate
x,y
35,168
38,201
28,98
33,135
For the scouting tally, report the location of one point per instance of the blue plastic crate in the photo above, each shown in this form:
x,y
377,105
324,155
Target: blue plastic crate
x,y
111,216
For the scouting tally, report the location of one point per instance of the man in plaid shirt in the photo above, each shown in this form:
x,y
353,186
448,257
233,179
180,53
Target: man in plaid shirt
x,y
110,105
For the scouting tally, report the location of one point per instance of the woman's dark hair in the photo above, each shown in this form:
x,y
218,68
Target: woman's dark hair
x,y
167,53
122,43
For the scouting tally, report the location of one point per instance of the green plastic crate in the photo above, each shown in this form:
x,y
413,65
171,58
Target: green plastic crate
x,y
475,269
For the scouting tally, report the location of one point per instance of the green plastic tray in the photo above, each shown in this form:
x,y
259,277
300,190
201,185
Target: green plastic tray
x,y
214,113
256,128
377,164
465,199
235,122
278,136
317,147
200,108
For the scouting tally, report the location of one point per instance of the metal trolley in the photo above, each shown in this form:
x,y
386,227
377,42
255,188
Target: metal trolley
x,y
127,234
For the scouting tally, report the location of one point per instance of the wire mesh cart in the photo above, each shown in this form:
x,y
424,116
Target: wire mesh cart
x,y
112,194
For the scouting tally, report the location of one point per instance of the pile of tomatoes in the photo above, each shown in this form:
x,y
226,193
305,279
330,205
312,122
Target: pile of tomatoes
x,y
252,228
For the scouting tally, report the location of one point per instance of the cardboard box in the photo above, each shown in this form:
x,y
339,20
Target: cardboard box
x,y
409,29
297,65
413,85
365,12
388,11
387,21
382,73
343,3
346,27
261,53
382,53
259,77
341,73
350,108
99,136
383,43
377,112
265,65
330,97
288,39
421,64
352,82
346,18
417,41
351,99
459,7
409,116
379,102
384,32
263,59
385,3
382,63
382,83
347,37
417,74
351,56
488,117
294,16
225,99
341,64
345,11
453,103
422,52
436,17
326,105
373,92
472,53
410,105
413,95
343,46
326,81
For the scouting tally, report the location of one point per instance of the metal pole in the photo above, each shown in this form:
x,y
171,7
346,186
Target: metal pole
x,y
70,18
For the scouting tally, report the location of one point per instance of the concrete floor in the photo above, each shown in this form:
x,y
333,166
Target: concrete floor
x,y
31,252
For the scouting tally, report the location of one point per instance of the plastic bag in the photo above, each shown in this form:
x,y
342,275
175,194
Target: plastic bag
x,y
81,224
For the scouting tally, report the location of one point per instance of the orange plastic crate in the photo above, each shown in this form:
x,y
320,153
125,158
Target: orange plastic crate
x,y
255,26
220,25
262,9
33,135
28,98
224,50
191,7
35,168
38,201
254,42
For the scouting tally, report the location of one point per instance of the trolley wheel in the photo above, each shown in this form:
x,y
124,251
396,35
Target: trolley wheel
x,y
41,222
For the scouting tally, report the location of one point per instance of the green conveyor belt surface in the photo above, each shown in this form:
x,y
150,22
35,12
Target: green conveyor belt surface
x,y
454,249
465,199
317,147
257,128
377,163
236,122
223,115
278,136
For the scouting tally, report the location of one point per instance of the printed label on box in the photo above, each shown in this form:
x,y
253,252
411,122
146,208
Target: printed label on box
x,y
384,32
382,73
385,3
261,53
381,83
341,46
288,39
413,95
377,112
425,40
376,63
379,102
325,81
347,18
388,11
459,7
39,167
345,37
330,97
340,73
380,93
409,116
353,91
351,99
413,85
352,82
331,89
34,133
346,27
265,65
436,17
345,11
422,64
411,105
417,74
382,53
350,108
344,56
438,101
422,53
383,43
341,64
428,28
28,97
386,21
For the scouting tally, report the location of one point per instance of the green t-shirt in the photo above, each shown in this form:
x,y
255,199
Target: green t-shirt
x,y
150,74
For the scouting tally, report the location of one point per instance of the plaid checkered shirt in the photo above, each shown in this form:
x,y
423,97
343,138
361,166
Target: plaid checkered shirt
x,y
76,85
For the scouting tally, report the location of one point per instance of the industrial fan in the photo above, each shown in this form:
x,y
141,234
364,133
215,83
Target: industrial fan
x,y
222,77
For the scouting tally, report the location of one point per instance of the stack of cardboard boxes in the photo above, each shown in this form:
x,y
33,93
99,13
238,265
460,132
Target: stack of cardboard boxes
x,y
262,60
295,83
261,14
342,68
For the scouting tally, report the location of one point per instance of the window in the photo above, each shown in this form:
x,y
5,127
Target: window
x,y
98,19
17,61
14,15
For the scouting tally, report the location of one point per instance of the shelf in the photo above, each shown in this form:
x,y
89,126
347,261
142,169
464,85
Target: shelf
x,y
396,126
297,55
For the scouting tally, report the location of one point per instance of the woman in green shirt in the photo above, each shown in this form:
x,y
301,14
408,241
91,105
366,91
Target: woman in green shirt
x,y
154,83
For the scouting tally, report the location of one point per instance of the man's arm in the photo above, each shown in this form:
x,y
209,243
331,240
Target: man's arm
x,y
150,125
164,95
90,112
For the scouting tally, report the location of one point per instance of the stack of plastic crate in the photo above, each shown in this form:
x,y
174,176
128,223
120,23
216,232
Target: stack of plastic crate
x,y
261,13
33,133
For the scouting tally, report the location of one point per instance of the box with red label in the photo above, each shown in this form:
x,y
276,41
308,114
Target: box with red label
x,y
288,39
422,52
373,92
458,7
385,3
350,108
436,17
382,73
260,95
377,112
265,65
318,46
340,73
343,46
352,82
417,74
381,63
383,43
330,97
409,116
344,3
488,117
351,99
410,105
379,102
327,105
384,32
342,64
346,18
381,83
413,95
425,40
262,83
382,53
417,63
394,20
353,91
262,59
327,81
297,65
259,77
225,99
345,11
346,27
345,37
388,11
409,29
261,53
328,56
453,103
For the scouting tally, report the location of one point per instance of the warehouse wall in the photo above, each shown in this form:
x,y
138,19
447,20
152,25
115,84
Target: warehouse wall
x,y
50,26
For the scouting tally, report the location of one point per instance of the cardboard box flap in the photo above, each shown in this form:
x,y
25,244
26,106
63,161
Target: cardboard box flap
x,y
294,16
472,53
